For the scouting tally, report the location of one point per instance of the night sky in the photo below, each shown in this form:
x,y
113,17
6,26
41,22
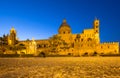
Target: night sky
x,y
41,18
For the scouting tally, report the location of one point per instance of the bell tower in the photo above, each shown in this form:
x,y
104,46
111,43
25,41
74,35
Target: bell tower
x,y
96,25
12,37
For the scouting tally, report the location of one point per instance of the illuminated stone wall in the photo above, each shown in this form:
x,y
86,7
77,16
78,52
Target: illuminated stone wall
x,y
66,43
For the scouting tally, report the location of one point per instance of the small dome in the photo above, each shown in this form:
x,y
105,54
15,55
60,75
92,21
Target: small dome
x,y
64,28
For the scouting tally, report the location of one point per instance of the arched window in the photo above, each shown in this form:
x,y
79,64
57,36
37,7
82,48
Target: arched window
x,y
89,39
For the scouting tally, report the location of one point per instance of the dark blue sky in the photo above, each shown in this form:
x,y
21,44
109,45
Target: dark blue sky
x,y
41,18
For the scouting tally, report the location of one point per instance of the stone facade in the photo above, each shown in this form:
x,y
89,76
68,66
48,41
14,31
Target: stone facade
x,y
66,43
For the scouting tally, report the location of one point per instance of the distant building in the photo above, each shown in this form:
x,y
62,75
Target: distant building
x,y
12,39
66,43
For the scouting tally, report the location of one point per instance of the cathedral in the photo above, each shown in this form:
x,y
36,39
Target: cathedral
x,y
67,43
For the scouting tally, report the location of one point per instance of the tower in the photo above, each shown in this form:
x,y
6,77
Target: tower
x,y
96,25
12,37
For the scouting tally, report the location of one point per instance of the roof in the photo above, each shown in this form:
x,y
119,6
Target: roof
x,y
13,29
64,24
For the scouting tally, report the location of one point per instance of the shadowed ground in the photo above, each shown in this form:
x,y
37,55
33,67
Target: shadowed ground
x,y
60,67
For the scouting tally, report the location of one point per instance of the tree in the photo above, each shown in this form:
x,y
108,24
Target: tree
x,y
55,43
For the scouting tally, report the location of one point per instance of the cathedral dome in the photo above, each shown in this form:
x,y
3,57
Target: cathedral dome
x,y
64,28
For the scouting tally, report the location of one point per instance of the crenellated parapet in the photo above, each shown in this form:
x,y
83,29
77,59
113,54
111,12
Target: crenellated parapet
x,y
108,48
110,43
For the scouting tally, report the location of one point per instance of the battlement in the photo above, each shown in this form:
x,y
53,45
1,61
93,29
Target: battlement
x,y
110,43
